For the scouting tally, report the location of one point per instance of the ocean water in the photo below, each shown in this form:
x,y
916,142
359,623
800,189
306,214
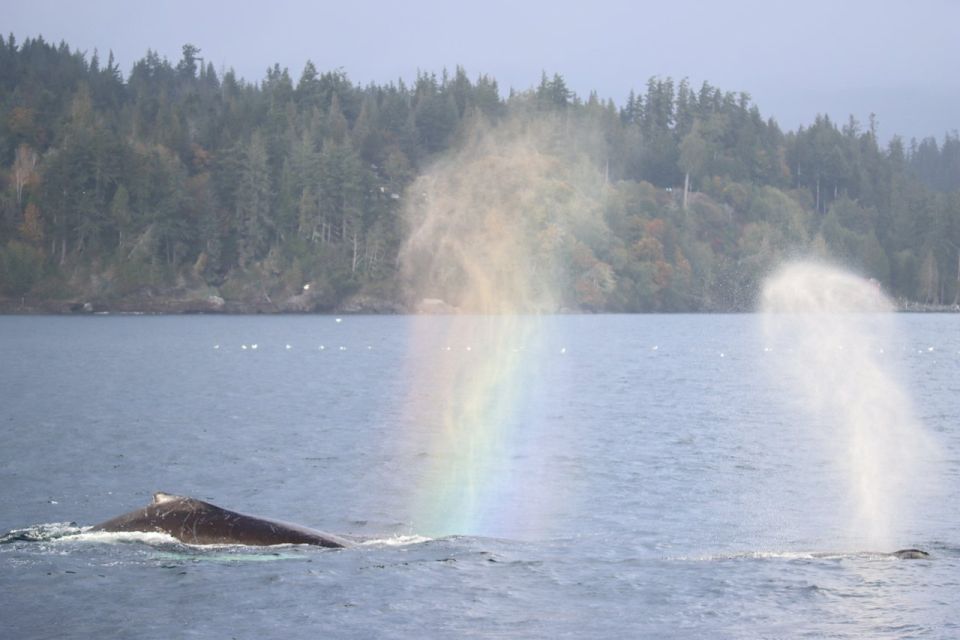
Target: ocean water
x,y
640,476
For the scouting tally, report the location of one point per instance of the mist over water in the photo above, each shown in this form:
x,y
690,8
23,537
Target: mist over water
x,y
826,331
488,225
488,222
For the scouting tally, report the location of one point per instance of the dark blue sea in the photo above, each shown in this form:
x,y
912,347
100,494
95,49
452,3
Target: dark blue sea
x,y
562,477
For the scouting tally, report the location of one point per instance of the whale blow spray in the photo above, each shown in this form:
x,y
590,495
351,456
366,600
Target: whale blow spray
x,y
486,227
827,329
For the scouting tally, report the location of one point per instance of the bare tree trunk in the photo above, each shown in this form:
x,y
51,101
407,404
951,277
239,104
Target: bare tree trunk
x,y
686,188
956,292
929,280
24,165
353,267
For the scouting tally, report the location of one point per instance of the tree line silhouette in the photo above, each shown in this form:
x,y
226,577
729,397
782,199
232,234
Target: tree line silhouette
x,y
180,180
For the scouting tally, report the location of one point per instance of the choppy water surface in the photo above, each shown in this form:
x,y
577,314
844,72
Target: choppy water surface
x,y
654,478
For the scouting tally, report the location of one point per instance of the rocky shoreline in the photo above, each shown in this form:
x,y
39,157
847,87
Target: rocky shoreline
x,y
908,306
212,304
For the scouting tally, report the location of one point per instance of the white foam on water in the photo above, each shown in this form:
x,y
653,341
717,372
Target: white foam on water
x,y
789,555
41,532
749,555
396,541
152,538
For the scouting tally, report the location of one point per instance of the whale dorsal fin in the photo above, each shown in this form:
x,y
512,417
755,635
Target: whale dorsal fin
x,y
160,497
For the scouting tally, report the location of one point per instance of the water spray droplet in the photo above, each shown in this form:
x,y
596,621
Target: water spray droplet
x,y
834,320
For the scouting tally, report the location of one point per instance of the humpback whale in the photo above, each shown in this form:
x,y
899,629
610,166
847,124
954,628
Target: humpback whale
x,y
196,522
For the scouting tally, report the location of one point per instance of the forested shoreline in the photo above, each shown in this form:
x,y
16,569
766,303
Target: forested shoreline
x,y
179,188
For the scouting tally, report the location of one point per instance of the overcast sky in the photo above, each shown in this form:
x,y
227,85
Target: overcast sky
x,y
899,60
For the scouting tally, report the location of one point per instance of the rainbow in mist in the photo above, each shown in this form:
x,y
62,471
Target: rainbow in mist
x,y
486,225
468,480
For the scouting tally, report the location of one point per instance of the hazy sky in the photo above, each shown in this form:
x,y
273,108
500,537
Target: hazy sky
x,y
899,60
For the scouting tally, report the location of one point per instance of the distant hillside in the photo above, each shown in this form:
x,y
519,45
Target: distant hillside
x,y
176,189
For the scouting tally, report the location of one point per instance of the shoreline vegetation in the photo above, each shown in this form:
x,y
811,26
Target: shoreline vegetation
x,y
179,189
361,305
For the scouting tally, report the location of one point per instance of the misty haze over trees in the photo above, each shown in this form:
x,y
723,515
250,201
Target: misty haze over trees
x,y
180,182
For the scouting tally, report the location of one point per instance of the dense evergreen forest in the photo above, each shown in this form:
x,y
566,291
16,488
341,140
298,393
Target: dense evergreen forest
x,y
182,183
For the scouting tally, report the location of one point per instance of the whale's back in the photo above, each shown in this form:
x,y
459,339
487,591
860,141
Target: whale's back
x,y
194,521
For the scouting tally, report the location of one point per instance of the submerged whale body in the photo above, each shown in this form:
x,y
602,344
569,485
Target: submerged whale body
x,y
910,554
196,522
